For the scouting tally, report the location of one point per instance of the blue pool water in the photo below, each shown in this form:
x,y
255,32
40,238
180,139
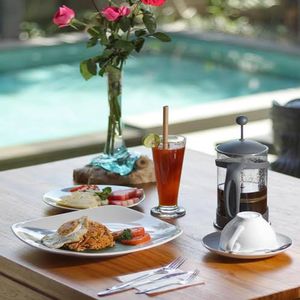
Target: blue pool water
x,y
52,101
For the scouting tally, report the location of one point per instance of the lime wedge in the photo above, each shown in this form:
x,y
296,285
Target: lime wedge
x,y
151,140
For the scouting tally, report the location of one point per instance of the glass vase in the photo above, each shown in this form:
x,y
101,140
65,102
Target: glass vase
x,y
115,157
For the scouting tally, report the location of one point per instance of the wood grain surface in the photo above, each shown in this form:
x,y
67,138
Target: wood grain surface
x,y
61,277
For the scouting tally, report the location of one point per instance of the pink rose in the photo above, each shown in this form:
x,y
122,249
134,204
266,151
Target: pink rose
x,y
154,2
124,11
113,13
63,16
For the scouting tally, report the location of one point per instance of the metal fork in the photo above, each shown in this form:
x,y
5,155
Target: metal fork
x,y
175,264
189,278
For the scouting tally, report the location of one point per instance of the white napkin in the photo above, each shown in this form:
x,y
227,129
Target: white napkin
x,y
159,283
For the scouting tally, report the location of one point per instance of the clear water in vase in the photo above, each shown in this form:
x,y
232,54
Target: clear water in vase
x,y
115,157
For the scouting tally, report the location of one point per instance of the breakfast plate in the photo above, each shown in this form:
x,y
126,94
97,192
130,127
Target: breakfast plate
x,y
114,217
53,197
212,240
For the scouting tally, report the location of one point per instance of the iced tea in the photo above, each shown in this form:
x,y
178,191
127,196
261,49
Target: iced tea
x,y
168,165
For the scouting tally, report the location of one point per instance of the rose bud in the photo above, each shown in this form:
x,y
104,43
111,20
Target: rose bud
x,y
113,13
154,2
63,16
124,11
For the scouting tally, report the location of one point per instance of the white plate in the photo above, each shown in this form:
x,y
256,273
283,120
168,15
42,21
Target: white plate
x,y
54,196
211,242
113,216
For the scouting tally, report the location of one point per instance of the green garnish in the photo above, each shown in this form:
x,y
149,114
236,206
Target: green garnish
x,y
151,140
103,195
125,235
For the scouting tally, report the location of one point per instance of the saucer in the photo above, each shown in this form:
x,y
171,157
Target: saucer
x,y
211,242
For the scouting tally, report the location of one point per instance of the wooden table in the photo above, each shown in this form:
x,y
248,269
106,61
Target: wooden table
x,y
28,273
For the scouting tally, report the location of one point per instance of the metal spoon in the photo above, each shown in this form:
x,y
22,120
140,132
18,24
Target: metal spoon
x,y
264,250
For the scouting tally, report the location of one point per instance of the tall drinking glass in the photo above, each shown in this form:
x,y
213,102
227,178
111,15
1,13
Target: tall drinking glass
x,y
168,165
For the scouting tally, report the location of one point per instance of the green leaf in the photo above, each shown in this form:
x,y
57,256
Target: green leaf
x,y
88,69
107,190
149,22
103,195
162,36
140,32
93,32
92,42
124,24
111,38
99,33
139,43
104,41
107,53
103,63
102,71
125,45
125,235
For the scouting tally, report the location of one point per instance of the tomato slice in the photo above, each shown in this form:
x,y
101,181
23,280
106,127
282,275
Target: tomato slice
x,y
142,239
135,232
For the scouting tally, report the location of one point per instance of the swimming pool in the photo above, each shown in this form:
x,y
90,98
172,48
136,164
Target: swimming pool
x,y
43,97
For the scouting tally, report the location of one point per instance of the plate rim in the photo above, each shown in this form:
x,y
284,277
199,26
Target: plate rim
x,y
244,255
14,227
76,209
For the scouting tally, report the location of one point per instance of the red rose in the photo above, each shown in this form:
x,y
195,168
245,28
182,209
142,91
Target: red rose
x,y
63,16
154,2
113,13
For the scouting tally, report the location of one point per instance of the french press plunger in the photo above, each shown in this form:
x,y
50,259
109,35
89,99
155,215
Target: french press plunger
x,y
242,177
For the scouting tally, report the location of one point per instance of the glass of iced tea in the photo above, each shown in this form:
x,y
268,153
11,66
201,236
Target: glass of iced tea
x,y
168,165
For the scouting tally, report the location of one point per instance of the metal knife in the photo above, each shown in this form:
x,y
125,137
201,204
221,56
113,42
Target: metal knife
x,y
121,289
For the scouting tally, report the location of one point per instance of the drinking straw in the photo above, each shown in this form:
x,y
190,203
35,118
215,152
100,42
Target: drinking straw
x,y
165,126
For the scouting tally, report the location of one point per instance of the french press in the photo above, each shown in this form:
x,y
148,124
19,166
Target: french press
x,y
242,177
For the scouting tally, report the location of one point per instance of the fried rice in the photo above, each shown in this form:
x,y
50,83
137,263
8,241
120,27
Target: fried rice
x,y
97,237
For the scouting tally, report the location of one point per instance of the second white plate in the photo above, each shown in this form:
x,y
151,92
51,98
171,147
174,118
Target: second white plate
x,y
52,197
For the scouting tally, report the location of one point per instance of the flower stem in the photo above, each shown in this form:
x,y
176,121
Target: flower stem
x,y
96,7
114,131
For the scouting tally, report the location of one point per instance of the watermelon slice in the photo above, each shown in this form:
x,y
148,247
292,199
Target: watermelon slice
x,y
122,195
126,197
116,202
128,202
139,193
84,188
136,200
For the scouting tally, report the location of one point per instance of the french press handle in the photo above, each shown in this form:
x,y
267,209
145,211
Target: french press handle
x,y
232,189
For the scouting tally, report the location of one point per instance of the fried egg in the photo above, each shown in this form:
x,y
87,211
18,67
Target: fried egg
x,y
69,232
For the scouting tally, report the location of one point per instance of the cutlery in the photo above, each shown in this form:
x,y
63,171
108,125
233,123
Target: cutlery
x,y
175,264
109,292
189,278
266,250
